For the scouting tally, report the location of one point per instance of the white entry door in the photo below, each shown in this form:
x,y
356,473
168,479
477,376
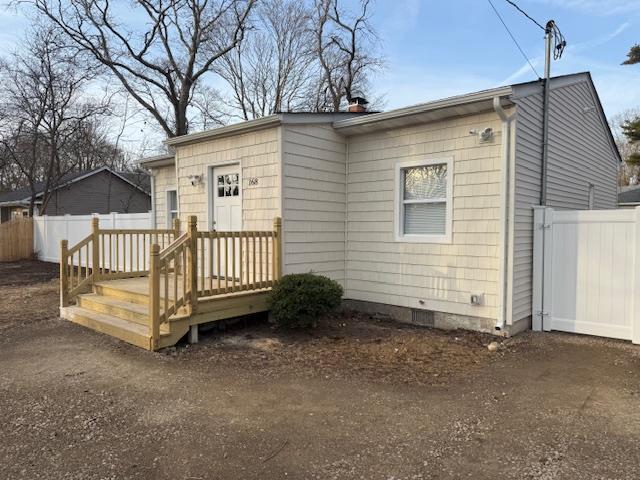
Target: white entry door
x,y
225,215
225,199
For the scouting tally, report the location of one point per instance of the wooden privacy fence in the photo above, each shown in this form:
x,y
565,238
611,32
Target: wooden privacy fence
x,y
16,239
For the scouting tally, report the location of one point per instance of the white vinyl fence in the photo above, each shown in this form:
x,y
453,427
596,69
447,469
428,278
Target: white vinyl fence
x,y
50,230
586,272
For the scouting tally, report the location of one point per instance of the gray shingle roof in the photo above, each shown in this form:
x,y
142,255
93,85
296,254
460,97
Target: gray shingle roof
x,y
25,192
138,179
631,195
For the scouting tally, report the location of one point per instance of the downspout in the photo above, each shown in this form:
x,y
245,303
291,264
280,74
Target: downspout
x,y
152,178
346,213
504,208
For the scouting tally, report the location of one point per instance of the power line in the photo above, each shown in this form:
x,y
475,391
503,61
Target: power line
x,y
525,14
514,38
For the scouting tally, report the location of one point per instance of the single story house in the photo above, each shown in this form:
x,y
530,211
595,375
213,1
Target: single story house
x,y
629,196
98,191
423,213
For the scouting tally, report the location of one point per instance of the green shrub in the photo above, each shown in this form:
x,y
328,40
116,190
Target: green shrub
x,y
298,300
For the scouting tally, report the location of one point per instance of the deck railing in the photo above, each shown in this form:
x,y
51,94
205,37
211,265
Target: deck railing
x,y
236,261
182,268
74,277
108,254
124,253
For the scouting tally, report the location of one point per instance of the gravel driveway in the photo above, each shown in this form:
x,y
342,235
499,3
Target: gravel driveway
x,y
359,398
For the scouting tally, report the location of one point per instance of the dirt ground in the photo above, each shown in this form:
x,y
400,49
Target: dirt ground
x,y
357,398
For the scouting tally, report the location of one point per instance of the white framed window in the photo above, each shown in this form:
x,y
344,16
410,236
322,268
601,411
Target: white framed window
x,y
172,207
424,201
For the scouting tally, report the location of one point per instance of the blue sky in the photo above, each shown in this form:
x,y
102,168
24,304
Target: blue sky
x,y
436,48
439,48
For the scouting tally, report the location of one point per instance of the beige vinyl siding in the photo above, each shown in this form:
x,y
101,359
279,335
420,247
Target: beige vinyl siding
x,y
431,276
164,179
259,156
314,163
579,154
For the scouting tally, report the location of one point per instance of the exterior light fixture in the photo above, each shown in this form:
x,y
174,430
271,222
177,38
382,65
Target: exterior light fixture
x,y
195,180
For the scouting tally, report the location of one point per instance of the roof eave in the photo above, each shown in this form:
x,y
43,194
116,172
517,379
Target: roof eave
x,y
242,127
157,161
17,203
379,120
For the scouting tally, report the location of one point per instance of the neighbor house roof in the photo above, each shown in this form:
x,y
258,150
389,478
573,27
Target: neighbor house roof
x,y
22,196
629,195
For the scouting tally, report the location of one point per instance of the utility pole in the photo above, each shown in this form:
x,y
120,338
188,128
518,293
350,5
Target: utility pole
x,y
548,36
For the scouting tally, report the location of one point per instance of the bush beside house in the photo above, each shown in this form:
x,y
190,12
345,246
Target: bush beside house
x,y
298,300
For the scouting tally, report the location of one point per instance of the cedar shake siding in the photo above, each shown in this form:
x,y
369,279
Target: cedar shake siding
x,y
431,276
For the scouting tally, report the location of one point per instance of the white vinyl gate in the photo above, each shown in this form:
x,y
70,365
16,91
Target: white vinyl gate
x,y
586,276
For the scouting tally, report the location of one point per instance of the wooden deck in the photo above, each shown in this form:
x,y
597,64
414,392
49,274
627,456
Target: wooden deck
x,y
120,308
126,286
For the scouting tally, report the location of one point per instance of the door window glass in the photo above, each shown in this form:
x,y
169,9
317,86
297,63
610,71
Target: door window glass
x,y
228,185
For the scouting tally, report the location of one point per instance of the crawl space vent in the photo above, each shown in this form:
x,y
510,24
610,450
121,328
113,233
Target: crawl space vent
x,y
422,317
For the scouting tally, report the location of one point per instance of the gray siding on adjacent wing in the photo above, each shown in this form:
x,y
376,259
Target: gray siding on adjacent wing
x,y
580,154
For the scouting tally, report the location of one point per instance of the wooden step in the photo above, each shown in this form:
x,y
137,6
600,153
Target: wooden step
x,y
133,312
130,332
121,291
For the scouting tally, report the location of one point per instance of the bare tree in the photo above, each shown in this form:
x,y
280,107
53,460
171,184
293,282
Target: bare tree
x,y
628,169
42,91
160,66
345,47
271,68
210,110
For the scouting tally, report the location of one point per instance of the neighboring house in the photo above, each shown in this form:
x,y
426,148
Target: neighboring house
x,y
629,197
423,213
98,191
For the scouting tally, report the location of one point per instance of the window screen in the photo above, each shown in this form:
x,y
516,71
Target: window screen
x,y
424,198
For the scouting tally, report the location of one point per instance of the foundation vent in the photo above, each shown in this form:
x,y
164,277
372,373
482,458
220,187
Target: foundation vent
x,y
422,317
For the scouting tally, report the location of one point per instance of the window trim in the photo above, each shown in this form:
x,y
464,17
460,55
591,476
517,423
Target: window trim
x,y
169,211
399,202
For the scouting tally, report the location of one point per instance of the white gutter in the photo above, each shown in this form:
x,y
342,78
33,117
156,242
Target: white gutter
x,y
246,126
152,179
504,209
485,95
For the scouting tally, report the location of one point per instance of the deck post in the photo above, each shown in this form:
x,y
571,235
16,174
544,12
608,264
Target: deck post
x,y
193,334
176,234
64,281
154,295
277,249
95,249
176,227
192,268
